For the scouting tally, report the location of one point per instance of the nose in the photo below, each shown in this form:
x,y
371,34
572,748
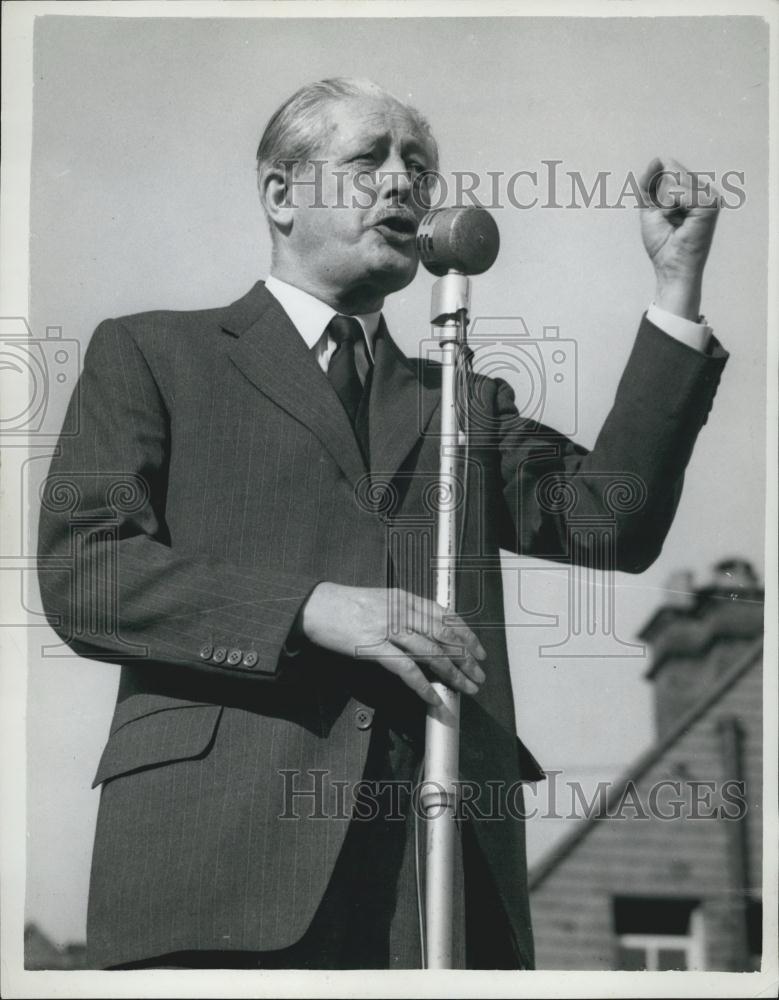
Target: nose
x,y
395,179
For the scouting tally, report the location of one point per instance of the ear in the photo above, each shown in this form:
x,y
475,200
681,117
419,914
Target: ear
x,y
274,189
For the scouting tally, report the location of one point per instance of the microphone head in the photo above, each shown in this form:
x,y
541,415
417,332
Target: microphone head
x,y
458,239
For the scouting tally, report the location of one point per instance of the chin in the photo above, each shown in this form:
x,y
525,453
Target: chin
x,y
395,274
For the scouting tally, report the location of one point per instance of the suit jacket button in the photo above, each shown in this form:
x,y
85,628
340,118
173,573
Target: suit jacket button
x,y
206,651
363,718
250,659
234,657
219,655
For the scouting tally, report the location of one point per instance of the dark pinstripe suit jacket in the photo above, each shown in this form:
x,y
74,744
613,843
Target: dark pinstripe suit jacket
x,y
213,482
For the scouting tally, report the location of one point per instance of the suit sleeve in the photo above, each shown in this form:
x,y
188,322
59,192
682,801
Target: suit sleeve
x,y
112,585
610,507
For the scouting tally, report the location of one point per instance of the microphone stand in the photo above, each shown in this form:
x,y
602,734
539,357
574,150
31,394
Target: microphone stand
x,y
438,799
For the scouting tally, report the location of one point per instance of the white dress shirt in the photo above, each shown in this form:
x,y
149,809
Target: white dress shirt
x,y
695,335
310,317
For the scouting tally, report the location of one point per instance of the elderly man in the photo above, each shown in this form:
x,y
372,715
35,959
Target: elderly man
x,y
229,516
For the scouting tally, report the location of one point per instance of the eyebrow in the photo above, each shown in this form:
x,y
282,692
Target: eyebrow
x,y
420,146
412,144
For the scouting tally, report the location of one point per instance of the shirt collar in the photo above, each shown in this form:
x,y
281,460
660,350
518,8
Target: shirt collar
x,y
310,315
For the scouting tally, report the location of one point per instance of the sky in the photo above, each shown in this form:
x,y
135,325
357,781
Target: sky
x,y
143,196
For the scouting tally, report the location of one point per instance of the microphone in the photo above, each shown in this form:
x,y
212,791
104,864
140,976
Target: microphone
x,y
465,240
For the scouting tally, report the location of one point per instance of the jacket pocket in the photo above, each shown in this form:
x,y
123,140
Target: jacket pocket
x,y
160,736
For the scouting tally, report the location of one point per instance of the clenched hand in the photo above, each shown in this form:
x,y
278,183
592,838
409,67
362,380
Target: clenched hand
x,y
678,217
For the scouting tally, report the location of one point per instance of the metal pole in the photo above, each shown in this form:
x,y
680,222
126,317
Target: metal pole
x,y
442,733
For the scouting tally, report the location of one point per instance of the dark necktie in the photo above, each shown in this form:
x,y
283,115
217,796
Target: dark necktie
x,y
346,331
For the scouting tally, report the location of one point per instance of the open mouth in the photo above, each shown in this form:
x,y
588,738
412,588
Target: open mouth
x,y
397,226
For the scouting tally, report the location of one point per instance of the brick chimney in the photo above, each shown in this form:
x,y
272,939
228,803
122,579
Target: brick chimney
x,y
697,635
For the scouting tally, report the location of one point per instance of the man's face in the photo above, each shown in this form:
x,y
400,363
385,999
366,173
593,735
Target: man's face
x,y
355,228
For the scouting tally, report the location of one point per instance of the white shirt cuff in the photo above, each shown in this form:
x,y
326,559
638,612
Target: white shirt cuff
x,y
695,335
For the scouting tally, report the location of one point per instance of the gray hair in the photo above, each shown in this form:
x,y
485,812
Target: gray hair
x,y
296,130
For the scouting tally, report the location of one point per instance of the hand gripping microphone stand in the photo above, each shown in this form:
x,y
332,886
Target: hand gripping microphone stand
x,y
452,243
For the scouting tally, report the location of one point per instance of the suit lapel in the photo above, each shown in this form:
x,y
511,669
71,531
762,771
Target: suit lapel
x,y
402,402
270,352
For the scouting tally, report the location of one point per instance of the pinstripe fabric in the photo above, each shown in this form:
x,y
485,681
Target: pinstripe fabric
x,y
214,481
